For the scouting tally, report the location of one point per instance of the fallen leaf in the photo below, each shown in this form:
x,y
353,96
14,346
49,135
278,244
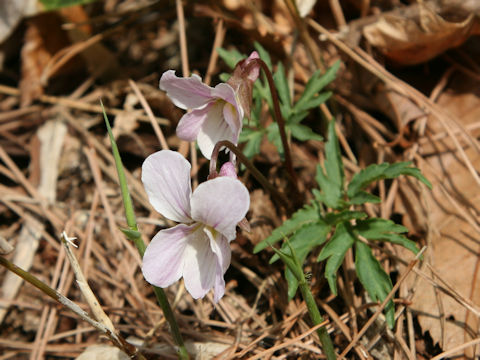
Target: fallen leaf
x,y
102,352
451,214
419,37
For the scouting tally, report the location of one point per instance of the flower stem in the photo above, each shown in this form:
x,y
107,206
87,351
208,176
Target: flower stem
x,y
280,121
327,345
253,170
134,235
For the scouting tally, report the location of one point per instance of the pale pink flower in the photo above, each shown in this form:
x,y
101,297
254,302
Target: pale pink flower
x,y
217,113
199,247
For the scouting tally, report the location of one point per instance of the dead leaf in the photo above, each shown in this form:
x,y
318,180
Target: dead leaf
x,y
452,209
419,37
102,352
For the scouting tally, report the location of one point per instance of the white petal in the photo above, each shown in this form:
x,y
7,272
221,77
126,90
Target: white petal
x,y
220,203
213,130
226,92
191,123
186,93
163,260
166,178
221,248
199,266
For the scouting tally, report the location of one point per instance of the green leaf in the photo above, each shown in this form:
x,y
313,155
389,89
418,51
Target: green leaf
x,y
374,279
331,182
281,84
303,133
312,103
303,242
385,230
363,197
306,239
305,216
264,55
332,218
335,251
57,4
253,139
122,179
230,57
273,135
376,172
316,83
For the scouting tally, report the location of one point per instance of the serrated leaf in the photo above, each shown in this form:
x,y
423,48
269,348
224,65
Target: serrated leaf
x,y
316,83
363,197
376,172
264,55
385,230
303,241
305,216
331,181
374,279
332,218
312,103
281,84
253,139
306,239
230,57
303,133
335,251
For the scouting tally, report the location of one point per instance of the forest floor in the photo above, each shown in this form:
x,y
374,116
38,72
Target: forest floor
x,y
407,90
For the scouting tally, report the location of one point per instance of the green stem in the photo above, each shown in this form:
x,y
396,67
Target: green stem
x,y
292,262
327,345
134,235
253,170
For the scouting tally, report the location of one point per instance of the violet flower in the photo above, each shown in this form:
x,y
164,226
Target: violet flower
x,y
199,247
217,113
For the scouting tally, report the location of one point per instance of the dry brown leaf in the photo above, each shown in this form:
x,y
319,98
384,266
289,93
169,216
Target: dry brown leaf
x,y
102,352
452,208
416,39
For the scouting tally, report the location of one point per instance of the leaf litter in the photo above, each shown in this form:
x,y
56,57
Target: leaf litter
x,y
430,118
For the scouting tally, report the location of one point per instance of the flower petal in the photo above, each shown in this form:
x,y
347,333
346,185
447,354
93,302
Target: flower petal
x,y
220,203
163,260
226,92
213,130
199,266
221,248
234,121
186,93
190,123
166,178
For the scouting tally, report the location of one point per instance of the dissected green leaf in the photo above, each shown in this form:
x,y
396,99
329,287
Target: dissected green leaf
x,y
306,239
316,83
312,103
230,57
264,55
303,241
334,218
281,84
385,230
363,197
305,216
331,181
374,279
253,139
303,133
335,251
376,172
